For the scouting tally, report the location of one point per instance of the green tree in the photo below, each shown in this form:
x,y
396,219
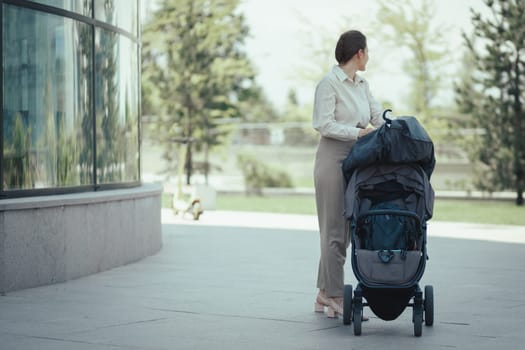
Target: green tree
x,y
299,131
254,106
493,95
195,73
406,25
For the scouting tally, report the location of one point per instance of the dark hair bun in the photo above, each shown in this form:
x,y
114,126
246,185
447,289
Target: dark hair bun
x,y
348,45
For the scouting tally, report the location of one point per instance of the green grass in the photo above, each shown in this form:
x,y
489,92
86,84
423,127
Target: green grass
x,y
474,211
274,204
479,211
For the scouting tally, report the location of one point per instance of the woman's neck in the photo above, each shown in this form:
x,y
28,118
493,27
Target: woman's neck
x,y
350,68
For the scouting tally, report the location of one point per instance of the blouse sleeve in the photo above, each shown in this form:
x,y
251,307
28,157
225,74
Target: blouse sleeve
x,y
324,115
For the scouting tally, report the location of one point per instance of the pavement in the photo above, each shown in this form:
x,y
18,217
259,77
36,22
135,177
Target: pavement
x,y
247,281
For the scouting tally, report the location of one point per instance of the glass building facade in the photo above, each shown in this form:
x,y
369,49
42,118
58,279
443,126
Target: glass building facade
x,y
70,96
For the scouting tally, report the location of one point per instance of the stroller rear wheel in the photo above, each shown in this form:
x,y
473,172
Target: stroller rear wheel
x,y
347,304
358,315
418,322
429,305
417,313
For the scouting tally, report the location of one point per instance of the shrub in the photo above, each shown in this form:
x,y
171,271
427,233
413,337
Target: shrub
x,y
258,175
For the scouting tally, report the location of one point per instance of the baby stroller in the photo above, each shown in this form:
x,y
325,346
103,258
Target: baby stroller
x,y
388,201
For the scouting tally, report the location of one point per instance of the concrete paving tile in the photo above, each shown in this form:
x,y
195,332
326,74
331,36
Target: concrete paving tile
x,y
221,286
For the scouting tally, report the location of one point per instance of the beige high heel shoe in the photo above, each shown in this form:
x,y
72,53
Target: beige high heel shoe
x,y
334,305
321,301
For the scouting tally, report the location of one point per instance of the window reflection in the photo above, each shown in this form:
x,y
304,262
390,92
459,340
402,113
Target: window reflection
x,y
49,130
117,115
120,13
82,7
47,115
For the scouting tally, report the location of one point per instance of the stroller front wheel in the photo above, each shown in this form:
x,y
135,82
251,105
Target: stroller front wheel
x,y
347,304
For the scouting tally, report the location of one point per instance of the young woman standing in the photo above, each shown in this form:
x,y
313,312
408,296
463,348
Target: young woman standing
x,y
343,110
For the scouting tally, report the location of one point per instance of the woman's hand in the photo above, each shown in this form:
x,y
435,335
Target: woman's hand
x,y
364,132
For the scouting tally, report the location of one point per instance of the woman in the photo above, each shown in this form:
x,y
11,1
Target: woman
x,y
343,110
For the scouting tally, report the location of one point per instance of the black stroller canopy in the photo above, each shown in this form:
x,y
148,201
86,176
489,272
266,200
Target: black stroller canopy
x,y
389,178
401,140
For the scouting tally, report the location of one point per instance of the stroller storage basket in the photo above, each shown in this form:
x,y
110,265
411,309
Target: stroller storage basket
x,y
388,267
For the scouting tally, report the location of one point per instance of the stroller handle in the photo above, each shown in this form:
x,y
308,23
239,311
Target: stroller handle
x,y
387,120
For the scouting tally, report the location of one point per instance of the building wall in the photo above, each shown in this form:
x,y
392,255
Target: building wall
x,y
51,239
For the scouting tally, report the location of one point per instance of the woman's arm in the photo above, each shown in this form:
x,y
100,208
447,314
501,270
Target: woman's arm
x,y
324,115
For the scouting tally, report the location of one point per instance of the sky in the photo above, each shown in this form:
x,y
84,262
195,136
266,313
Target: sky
x,y
280,32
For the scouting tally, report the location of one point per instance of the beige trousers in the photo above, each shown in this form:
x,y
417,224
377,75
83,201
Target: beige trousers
x,y
333,227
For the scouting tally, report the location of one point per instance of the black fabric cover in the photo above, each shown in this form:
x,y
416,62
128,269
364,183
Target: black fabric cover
x,y
388,304
400,140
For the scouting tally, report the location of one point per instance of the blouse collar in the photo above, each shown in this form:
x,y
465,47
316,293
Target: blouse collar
x,y
341,75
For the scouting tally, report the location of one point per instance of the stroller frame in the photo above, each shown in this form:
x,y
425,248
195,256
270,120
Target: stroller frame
x,y
422,305
388,297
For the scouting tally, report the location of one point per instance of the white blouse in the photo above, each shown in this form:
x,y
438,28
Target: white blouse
x,y
343,106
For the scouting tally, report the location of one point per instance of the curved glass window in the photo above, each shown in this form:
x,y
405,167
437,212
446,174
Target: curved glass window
x,y
47,113
82,7
116,86
70,96
120,13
